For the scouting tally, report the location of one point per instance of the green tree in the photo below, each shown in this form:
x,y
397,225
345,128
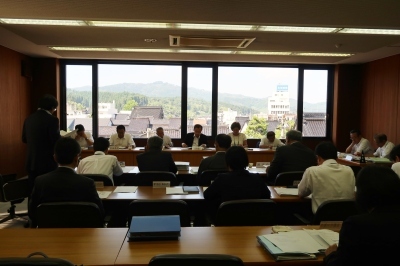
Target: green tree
x,y
129,105
256,128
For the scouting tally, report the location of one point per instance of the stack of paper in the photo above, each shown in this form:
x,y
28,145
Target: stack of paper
x,y
103,194
182,166
175,191
126,189
282,191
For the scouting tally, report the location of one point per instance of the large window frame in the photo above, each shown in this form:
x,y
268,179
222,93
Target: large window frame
x,y
184,86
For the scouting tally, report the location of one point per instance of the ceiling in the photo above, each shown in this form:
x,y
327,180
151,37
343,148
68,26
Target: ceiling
x,y
34,40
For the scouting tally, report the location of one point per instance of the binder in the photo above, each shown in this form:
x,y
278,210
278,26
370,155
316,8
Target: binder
x,y
191,189
155,227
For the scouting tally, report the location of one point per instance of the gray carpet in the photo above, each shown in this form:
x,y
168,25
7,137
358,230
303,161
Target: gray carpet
x,y
17,222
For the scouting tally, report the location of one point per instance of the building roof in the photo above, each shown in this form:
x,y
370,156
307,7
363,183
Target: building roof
x,y
314,128
156,112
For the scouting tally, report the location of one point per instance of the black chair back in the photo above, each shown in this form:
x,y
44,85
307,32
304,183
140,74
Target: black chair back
x,y
107,181
208,176
195,260
249,212
69,215
160,207
35,261
146,178
335,210
289,179
13,190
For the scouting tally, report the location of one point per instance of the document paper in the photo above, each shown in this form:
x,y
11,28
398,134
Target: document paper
x,y
125,189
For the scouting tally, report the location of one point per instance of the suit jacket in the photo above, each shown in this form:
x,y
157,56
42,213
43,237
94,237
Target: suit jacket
x,y
40,132
368,239
156,161
293,157
60,185
189,139
214,162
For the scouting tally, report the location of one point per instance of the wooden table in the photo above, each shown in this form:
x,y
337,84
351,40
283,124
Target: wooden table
x,y
358,164
237,241
81,246
194,157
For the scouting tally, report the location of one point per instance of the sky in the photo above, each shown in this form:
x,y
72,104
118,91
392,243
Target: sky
x,y
260,82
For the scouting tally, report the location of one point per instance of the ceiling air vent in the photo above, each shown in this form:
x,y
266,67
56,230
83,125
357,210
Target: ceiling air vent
x,y
211,42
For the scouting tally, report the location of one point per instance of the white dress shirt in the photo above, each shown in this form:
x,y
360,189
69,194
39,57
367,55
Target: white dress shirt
x,y
100,163
275,143
167,141
237,140
363,145
81,140
126,141
328,181
384,151
396,168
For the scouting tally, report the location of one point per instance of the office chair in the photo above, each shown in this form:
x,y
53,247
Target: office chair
x,y
160,207
332,210
208,176
107,181
248,212
35,261
146,178
69,215
195,260
289,179
14,191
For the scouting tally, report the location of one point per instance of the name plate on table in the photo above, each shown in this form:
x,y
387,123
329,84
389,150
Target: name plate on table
x,y
161,184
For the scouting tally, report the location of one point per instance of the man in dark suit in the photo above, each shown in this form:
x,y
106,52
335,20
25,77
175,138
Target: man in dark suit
x,y
294,156
63,184
196,138
217,161
40,132
154,159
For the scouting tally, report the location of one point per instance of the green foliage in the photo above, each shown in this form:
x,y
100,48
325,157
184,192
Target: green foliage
x,y
256,128
129,105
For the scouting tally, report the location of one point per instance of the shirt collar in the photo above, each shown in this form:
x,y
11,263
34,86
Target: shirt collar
x,y
330,161
99,153
45,111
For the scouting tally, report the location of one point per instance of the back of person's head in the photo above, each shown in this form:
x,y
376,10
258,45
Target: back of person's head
x,y
377,186
65,150
355,131
101,144
48,102
236,158
236,125
198,126
79,128
326,150
395,152
294,135
380,138
224,141
120,127
155,143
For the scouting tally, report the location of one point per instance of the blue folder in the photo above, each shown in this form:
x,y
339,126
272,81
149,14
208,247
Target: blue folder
x,y
155,227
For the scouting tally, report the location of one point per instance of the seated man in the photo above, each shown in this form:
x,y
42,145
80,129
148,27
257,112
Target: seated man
x,y
294,156
236,184
329,180
270,141
100,162
216,161
167,142
84,139
364,239
122,139
154,159
384,146
358,144
395,157
63,184
196,138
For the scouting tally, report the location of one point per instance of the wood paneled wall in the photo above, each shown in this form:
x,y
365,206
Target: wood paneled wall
x,y
15,104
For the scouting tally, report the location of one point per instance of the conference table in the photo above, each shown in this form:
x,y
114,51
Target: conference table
x,y
194,157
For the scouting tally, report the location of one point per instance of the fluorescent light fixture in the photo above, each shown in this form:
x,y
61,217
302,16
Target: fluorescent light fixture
x,y
206,51
127,24
143,50
43,22
370,31
297,29
196,26
262,53
323,54
94,49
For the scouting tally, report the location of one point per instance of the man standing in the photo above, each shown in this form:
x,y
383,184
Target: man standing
x,y
270,141
122,139
358,144
100,162
329,180
167,142
63,184
384,146
154,159
40,132
196,138
294,156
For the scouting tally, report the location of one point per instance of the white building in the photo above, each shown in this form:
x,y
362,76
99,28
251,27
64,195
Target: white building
x,y
228,117
279,104
107,110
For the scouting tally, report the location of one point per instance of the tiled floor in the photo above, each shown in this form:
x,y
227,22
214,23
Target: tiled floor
x,y
17,222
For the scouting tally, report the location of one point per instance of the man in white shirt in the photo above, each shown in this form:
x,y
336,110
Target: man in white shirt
x,y
395,157
270,141
84,139
122,139
167,142
358,144
100,162
329,180
384,146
